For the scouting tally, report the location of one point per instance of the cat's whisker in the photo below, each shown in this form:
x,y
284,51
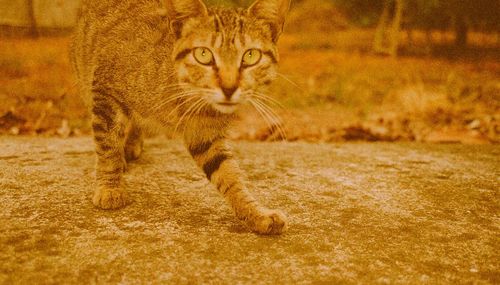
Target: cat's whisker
x,y
179,106
176,85
181,87
170,99
279,121
191,111
164,103
179,94
190,108
261,98
173,98
256,102
173,87
290,81
198,104
182,105
273,125
194,113
198,111
272,121
267,98
275,119
258,108
177,90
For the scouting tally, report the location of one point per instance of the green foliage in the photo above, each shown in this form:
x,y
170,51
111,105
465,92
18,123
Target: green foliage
x,y
427,14
361,12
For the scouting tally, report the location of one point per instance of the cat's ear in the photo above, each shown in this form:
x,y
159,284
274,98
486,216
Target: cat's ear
x,y
178,11
272,11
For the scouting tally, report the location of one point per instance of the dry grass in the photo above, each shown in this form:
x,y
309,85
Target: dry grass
x,y
337,73
334,89
37,87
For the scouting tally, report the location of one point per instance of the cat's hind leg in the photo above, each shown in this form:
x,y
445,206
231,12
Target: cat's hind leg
x,y
135,142
110,123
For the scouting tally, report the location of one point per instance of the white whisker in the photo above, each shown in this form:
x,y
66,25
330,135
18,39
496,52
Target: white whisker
x,y
290,81
172,112
267,98
258,108
176,97
195,112
190,108
274,117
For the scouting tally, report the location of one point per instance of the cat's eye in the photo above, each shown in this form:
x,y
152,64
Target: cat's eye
x,y
203,55
251,57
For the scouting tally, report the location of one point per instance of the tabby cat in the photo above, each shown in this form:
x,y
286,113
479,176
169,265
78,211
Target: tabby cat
x,y
176,61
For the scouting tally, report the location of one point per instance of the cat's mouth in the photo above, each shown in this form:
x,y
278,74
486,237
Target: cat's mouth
x,y
227,103
226,107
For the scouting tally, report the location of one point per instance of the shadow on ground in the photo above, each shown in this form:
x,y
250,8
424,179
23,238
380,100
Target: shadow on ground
x,y
359,213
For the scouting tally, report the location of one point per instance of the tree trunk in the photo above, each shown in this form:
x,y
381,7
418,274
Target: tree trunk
x,y
33,31
409,35
461,31
387,34
396,26
379,40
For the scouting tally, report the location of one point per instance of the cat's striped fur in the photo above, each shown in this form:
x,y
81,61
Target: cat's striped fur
x,y
135,62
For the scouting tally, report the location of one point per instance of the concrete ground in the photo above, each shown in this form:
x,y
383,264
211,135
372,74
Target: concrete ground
x,y
359,214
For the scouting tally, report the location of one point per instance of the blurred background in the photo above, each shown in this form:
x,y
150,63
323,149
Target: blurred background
x,y
367,70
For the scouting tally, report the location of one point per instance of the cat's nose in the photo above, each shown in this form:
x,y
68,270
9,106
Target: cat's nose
x,y
229,91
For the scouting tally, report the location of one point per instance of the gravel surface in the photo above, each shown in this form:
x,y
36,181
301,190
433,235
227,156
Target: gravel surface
x,y
359,214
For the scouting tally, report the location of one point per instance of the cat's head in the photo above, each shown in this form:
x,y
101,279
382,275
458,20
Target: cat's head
x,y
225,55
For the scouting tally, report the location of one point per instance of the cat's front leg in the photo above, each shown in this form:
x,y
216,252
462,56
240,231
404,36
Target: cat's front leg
x,y
109,124
214,156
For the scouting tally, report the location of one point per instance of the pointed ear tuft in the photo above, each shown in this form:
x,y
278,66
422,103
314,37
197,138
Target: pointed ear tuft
x,y
178,11
272,11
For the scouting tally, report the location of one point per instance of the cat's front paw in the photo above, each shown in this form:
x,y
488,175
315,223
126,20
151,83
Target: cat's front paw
x,y
270,222
110,198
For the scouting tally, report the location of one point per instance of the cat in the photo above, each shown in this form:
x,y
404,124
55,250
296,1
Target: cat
x,y
176,61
